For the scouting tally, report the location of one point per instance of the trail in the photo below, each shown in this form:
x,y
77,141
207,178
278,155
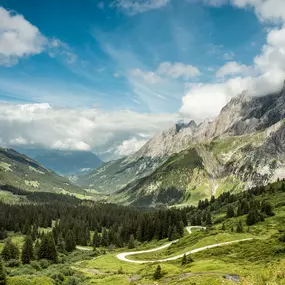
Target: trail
x,y
123,256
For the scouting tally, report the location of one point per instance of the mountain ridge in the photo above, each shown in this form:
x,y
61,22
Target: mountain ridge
x,y
21,171
242,118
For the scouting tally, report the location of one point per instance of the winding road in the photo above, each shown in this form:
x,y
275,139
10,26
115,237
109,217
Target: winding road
x,y
123,256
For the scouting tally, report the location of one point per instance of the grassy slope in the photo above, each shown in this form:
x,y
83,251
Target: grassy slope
x,y
20,171
254,261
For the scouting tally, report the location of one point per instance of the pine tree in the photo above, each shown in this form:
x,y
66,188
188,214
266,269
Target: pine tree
x,y
96,239
27,251
70,244
132,243
239,227
157,274
189,259
180,229
3,234
184,260
10,251
105,239
267,209
37,248
3,278
230,212
47,248
208,218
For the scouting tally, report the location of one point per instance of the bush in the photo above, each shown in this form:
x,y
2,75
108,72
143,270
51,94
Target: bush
x,y
36,265
13,263
57,277
157,274
72,281
44,263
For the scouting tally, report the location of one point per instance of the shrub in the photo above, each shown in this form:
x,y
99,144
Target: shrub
x,y
157,274
36,265
44,263
72,281
13,263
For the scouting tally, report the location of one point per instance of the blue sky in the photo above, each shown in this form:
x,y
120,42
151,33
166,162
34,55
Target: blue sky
x,y
107,75
107,42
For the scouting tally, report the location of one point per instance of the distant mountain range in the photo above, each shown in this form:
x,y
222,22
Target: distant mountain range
x,y
243,147
64,162
20,171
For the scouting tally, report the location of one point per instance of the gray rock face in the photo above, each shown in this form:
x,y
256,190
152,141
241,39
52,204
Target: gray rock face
x,y
242,116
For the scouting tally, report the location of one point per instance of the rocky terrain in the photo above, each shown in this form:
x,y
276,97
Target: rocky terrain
x,y
242,147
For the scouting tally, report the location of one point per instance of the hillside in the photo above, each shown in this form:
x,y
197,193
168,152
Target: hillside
x,y
64,162
241,148
20,171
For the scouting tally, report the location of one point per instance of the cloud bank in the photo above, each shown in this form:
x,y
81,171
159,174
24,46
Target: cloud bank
x,y
40,125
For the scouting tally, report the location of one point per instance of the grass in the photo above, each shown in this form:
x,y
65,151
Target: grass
x,y
195,240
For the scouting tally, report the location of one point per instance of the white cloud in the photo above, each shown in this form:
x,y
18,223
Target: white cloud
x,y
234,68
130,146
177,70
133,7
265,76
147,76
266,10
18,38
41,125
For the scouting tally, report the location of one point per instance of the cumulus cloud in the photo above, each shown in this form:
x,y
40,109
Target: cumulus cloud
x,y
40,125
265,76
18,38
130,146
133,7
266,10
234,68
177,70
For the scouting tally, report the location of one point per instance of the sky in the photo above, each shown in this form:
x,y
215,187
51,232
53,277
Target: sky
x,y
107,75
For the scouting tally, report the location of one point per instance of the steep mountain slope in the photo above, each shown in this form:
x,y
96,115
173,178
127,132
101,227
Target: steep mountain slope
x,y
20,171
64,162
242,116
232,163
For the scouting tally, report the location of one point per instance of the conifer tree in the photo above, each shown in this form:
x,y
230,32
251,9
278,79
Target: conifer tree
x,y
180,229
184,260
70,244
223,227
239,227
132,243
47,248
3,278
105,239
10,250
96,239
27,251
189,259
157,274
230,212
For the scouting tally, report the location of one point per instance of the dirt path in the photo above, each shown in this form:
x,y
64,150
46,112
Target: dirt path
x,y
123,256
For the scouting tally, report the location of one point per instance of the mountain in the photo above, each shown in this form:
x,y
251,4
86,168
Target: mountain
x,y
21,171
242,147
64,162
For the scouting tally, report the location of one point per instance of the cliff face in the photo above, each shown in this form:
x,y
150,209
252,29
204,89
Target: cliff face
x,y
242,147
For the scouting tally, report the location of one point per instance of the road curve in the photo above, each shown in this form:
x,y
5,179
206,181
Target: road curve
x,y
123,256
